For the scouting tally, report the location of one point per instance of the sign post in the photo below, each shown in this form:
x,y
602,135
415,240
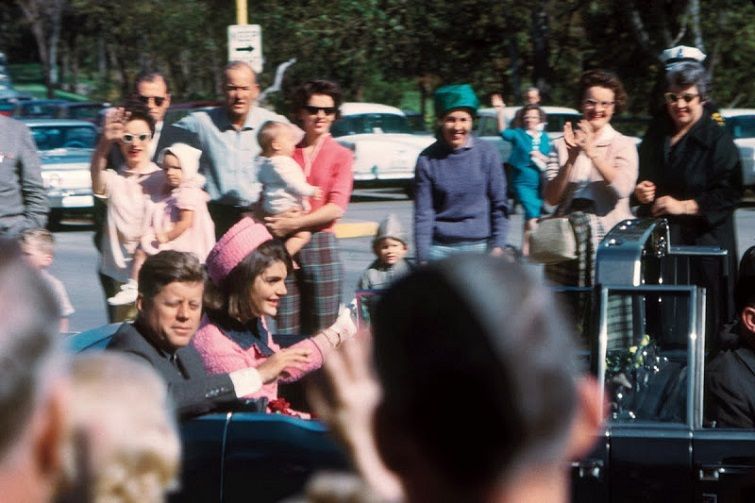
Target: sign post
x,y
245,44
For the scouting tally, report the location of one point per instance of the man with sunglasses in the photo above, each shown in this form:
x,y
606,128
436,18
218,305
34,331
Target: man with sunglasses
x,y
227,136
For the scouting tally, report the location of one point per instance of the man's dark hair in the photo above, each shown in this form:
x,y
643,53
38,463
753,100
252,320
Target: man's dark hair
x,y
312,87
28,335
149,76
167,267
229,305
478,368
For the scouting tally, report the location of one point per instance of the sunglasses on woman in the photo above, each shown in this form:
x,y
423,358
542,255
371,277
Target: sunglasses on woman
x,y
129,138
312,110
672,98
159,100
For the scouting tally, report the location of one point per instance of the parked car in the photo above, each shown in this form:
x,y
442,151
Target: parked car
x,y
239,455
740,122
38,109
65,150
89,111
178,111
385,147
486,125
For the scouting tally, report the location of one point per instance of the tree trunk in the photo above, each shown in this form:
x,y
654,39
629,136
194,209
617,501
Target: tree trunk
x,y
540,49
516,75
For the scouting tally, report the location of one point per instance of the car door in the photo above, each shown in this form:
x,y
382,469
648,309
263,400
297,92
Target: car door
x,y
270,457
724,465
650,388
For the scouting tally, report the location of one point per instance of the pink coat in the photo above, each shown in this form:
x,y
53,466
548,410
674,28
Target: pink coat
x,y
221,355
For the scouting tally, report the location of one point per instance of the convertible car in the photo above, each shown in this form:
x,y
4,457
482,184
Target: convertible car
x,y
241,455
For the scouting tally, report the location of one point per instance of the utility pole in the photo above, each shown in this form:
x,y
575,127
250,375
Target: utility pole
x,y
242,16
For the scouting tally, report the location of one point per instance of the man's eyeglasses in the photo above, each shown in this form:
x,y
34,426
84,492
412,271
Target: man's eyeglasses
x,y
159,100
595,103
312,110
129,138
672,98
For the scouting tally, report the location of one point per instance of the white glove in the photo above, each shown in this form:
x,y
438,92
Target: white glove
x,y
345,326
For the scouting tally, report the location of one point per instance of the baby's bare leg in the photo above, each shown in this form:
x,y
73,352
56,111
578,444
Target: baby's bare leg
x,y
297,241
139,257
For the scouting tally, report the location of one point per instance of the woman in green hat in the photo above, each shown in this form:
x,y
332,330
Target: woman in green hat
x,y
460,190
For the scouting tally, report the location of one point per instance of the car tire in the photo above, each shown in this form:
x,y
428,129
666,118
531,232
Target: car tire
x,y
409,191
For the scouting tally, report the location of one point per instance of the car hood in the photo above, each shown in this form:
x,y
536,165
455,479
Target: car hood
x,y
395,140
66,156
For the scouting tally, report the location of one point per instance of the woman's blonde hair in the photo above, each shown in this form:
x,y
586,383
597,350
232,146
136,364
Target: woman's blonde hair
x,y
123,444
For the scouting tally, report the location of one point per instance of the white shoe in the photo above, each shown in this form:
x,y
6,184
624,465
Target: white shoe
x,y
127,295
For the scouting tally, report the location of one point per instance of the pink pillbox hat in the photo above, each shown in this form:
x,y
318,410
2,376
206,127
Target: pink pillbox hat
x,y
240,240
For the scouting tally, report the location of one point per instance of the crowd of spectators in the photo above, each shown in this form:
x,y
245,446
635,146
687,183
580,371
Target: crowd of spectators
x,y
205,318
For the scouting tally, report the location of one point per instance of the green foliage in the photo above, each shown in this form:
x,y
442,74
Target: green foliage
x,y
381,50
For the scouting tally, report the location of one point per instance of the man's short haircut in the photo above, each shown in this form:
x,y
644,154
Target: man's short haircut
x,y
28,341
236,65
268,133
136,110
150,76
39,239
478,367
123,442
167,267
744,291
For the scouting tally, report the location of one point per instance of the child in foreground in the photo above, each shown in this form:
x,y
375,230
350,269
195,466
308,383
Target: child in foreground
x,y
180,221
37,245
284,185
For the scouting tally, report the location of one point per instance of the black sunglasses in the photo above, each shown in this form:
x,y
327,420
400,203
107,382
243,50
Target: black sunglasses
x,y
159,100
129,138
312,110
673,98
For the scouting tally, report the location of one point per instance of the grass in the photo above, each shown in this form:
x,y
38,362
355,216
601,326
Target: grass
x,y
27,77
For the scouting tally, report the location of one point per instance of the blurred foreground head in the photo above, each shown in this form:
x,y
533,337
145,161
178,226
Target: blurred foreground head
x,y
479,376
123,444
32,386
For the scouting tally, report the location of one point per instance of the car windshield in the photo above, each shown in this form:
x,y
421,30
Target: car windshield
x,y
370,124
741,126
52,137
556,121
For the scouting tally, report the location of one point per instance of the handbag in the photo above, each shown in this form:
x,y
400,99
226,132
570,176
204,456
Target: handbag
x,y
553,241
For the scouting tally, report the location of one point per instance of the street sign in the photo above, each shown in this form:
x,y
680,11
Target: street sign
x,y
245,44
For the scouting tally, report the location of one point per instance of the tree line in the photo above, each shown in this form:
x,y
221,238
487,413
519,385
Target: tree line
x,y
380,50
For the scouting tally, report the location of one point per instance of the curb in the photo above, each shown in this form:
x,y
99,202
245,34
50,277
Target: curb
x,y
345,230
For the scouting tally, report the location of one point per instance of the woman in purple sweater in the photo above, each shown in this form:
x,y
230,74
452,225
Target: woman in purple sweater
x,y
460,191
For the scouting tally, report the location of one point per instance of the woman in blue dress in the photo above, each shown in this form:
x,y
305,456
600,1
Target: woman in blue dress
x,y
530,149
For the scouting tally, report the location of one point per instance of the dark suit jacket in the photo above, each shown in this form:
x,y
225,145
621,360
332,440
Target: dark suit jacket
x,y
730,388
193,391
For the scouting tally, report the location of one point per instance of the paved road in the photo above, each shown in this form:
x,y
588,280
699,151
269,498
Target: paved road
x,y
76,258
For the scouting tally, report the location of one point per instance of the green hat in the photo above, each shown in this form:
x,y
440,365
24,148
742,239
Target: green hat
x,y
455,96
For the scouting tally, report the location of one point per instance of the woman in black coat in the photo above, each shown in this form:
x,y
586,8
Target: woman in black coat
x,y
690,174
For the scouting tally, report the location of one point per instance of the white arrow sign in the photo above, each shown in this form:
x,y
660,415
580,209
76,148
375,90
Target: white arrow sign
x,y
245,44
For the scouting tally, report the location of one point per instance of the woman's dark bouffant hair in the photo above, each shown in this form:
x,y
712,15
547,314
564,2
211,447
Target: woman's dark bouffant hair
x,y
327,87
228,305
136,110
531,106
602,78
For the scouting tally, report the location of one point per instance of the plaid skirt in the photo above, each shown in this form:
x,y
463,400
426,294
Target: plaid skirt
x,y
314,290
